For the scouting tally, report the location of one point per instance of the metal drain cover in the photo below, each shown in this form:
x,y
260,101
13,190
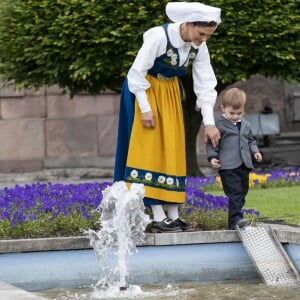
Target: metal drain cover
x,y
268,256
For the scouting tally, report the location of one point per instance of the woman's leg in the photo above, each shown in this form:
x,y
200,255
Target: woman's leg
x,y
173,214
158,213
172,211
161,223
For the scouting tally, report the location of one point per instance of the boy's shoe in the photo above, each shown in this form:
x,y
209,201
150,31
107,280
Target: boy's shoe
x,y
242,223
166,225
184,225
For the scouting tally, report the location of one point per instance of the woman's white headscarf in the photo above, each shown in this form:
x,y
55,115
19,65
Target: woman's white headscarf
x,y
192,12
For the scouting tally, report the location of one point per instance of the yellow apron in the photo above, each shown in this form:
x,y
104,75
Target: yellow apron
x,y
156,156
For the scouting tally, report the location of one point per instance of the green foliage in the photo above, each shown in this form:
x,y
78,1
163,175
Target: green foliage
x,y
260,36
89,45
279,183
274,202
205,220
43,227
77,44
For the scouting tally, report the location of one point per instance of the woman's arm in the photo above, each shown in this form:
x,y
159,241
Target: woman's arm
x,y
204,85
154,45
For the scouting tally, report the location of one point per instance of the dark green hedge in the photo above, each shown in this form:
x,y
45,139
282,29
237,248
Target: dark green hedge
x,y
89,45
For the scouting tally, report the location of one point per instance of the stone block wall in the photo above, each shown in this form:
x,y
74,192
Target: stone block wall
x,y
261,92
46,129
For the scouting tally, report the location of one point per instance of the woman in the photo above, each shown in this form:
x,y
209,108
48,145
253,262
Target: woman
x,y
151,139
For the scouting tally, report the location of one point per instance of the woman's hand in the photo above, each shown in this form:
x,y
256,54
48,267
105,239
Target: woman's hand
x,y
212,132
148,119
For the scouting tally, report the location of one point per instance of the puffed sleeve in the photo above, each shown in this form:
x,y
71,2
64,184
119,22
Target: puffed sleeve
x,y
204,84
154,45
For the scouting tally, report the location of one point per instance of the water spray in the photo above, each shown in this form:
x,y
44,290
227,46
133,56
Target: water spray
x,y
123,224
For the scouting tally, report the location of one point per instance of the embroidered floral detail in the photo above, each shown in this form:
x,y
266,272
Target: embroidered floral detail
x,y
155,180
173,57
173,62
170,180
170,52
134,173
192,55
148,176
161,179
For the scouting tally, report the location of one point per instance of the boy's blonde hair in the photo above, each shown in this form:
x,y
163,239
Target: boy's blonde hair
x,y
234,97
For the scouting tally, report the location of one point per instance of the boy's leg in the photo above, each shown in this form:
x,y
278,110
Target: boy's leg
x,y
232,181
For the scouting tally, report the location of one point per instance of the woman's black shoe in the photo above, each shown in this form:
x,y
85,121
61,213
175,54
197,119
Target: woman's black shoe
x,y
184,225
166,225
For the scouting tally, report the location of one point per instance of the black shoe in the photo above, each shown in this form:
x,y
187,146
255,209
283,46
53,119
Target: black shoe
x,y
242,223
184,225
166,225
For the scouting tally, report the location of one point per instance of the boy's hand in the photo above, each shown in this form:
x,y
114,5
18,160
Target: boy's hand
x,y
258,156
215,163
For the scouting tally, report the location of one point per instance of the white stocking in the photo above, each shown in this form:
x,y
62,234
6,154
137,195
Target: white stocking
x,y
158,213
172,211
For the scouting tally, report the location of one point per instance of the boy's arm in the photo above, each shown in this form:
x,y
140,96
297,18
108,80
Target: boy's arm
x,y
212,156
211,151
253,147
252,143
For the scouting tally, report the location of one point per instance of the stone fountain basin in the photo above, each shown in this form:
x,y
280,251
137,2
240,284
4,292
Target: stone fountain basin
x,y
200,256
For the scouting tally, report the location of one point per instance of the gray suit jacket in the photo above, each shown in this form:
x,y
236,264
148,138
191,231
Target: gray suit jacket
x,y
235,146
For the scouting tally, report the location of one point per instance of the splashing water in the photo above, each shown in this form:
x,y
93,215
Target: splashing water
x,y
123,224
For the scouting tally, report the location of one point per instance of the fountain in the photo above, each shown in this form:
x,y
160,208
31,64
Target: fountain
x,y
164,265
123,224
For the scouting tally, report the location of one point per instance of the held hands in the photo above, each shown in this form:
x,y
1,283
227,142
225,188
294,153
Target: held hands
x,y
148,119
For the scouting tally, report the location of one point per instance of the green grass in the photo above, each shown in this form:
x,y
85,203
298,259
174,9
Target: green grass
x,y
273,203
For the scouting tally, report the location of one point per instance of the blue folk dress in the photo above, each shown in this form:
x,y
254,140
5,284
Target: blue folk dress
x,y
155,157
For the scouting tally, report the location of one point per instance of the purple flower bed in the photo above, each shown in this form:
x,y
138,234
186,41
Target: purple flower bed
x,y
26,203
21,204
291,175
196,198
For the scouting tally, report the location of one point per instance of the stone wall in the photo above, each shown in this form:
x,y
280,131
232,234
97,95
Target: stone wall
x,y
46,129
261,92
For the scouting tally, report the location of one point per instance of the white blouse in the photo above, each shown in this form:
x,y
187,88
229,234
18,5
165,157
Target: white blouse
x,y
154,45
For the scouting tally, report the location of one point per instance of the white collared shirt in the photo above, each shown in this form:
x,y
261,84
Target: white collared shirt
x,y
154,45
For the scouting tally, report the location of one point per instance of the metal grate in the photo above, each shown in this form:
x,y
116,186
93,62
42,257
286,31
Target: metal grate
x,y
268,256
